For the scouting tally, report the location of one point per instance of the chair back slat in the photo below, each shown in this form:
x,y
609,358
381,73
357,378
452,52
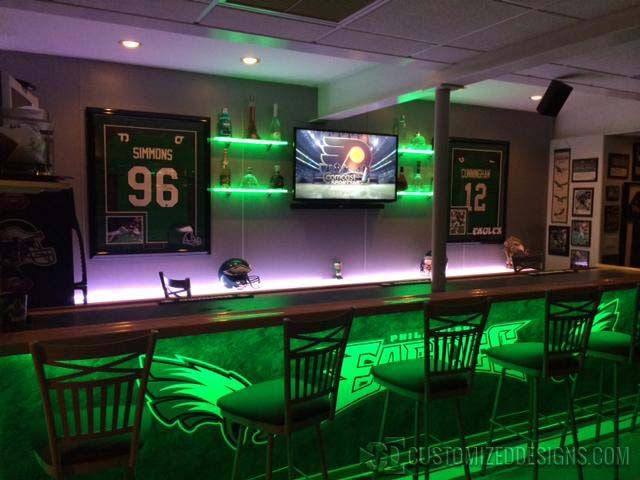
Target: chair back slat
x,y
569,317
175,289
94,382
453,333
314,350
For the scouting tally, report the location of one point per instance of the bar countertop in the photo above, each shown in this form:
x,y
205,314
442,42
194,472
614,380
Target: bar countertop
x,y
209,315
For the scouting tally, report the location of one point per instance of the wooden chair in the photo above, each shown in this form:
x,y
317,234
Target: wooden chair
x,y
175,289
568,319
93,396
453,332
306,395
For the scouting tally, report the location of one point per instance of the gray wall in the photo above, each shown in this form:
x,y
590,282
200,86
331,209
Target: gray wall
x,y
278,241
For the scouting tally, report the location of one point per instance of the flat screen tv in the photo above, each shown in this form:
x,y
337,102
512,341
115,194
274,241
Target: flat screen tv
x,y
344,167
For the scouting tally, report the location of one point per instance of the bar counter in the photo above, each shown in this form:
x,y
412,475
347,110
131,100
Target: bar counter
x,y
206,345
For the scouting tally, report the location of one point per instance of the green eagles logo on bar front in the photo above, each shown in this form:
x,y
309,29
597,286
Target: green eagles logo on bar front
x,y
183,392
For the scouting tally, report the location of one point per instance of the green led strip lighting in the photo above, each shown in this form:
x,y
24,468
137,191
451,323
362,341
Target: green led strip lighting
x,y
248,190
417,151
249,141
415,194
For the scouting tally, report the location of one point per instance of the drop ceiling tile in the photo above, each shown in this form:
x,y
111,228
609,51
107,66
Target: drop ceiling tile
x,y
550,71
590,8
621,60
373,43
261,24
333,12
447,54
519,29
177,10
435,21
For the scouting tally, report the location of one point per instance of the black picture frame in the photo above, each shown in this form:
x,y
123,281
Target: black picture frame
x,y
612,217
560,186
581,233
146,231
584,170
612,193
558,241
494,201
635,172
582,202
629,225
580,259
618,166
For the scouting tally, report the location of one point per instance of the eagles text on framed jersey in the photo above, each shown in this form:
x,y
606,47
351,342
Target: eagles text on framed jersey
x,y
148,180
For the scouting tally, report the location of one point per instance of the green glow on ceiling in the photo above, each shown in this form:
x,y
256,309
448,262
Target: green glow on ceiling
x,y
267,191
249,141
405,193
417,151
411,96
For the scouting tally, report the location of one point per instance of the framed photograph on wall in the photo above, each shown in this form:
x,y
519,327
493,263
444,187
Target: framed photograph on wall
x,y
558,241
612,218
579,259
636,162
618,166
582,202
148,176
478,186
630,225
581,233
560,192
612,193
584,170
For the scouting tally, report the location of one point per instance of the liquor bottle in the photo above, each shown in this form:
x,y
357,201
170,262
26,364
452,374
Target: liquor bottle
x,y
224,123
277,180
249,180
252,130
401,181
225,171
337,269
418,181
400,128
275,130
418,141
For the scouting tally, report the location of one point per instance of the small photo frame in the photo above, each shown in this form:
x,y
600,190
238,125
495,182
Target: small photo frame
x,y
558,241
618,166
581,233
458,221
579,259
612,193
612,215
125,230
583,202
584,170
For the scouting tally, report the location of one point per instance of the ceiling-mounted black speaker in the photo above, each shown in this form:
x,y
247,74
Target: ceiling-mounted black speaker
x,y
554,98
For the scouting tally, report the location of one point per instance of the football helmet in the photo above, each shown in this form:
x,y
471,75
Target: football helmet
x,y
21,244
234,273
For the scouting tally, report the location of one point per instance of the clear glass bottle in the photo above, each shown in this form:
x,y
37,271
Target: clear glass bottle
x,y
275,130
418,180
418,141
276,180
225,171
252,129
249,180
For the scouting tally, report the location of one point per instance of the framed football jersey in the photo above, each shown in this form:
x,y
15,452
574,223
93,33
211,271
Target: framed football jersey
x,y
478,183
148,177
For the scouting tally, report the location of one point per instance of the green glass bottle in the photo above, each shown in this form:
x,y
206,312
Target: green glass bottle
x,y
275,130
225,171
224,123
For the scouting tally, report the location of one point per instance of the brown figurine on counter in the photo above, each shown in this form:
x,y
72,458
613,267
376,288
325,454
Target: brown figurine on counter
x,y
513,246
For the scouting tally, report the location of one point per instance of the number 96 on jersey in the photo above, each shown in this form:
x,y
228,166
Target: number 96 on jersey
x,y
477,190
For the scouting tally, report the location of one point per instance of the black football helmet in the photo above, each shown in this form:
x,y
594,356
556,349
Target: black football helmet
x,y
234,273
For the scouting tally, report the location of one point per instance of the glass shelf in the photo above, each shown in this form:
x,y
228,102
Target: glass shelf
x,y
405,193
266,191
417,151
249,141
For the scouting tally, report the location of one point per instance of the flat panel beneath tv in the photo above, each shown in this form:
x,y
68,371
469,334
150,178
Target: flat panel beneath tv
x,y
337,205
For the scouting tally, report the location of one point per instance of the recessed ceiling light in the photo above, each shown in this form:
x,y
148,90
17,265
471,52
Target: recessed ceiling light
x,y
536,97
130,43
250,60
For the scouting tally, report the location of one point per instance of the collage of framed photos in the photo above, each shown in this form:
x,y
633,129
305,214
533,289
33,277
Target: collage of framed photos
x,y
572,207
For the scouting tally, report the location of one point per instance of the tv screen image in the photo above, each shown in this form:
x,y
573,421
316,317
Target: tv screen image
x,y
345,166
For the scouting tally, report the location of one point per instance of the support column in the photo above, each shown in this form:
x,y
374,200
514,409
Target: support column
x,y
440,213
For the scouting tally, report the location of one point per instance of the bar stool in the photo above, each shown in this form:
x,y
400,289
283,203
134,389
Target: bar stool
x,y
568,319
615,348
175,289
305,397
452,337
93,396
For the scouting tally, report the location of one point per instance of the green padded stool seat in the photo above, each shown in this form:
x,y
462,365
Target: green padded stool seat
x,y
613,345
265,403
408,377
528,357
